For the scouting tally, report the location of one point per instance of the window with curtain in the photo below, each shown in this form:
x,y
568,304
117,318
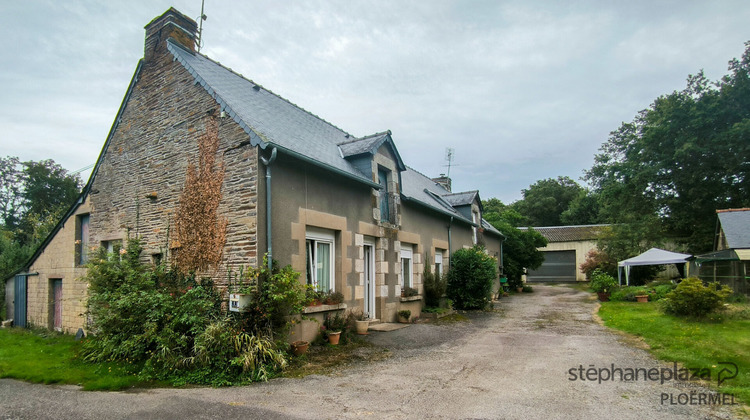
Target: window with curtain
x,y
320,259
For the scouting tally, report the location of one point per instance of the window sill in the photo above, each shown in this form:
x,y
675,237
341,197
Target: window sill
x,y
323,308
411,298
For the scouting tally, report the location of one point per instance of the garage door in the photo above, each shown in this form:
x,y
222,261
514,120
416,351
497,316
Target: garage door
x,y
558,266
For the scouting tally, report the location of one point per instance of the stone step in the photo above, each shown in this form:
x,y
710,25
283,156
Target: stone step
x,y
374,321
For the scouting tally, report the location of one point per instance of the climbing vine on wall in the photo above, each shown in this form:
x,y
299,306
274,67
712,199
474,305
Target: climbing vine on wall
x,y
199,233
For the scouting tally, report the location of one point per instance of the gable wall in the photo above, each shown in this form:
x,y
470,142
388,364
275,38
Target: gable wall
x,y
58,261
149,154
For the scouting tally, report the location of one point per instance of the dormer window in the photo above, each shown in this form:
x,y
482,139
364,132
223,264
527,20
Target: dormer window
x,y
385,207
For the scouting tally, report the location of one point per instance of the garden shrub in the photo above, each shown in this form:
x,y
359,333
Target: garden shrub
x,y
602,282
661,291
470,278
628,293
171,327
692,298
434,287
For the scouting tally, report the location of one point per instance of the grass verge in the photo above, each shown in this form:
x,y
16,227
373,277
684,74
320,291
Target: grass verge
x,y
51,358
696,344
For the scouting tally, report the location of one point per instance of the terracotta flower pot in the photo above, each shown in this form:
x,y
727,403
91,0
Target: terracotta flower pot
x,y
300,347
519,289
603,296
334,337
642,298
403,320
362,327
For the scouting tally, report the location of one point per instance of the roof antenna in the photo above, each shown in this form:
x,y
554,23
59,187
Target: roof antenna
x,y
202,17
449,155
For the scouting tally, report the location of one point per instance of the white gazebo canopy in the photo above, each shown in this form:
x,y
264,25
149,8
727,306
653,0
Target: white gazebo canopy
x,y
653,256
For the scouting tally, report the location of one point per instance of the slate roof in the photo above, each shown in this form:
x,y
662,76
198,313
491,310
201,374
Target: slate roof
x,y
461,198
272,120
736,226
360,146
570,233
267,117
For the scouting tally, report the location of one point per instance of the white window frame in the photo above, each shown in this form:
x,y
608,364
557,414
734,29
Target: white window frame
x,y
407,253
439,262
314,236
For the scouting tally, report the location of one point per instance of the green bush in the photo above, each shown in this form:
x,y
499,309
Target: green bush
x,y
434,287
470,278
602,282
528,289
661,291
171,327
628,294
692,298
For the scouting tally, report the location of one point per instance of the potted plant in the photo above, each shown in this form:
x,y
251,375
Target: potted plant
x,y
603,284
333,298
332,328
409,292
300,347
361,321
642,298
403,316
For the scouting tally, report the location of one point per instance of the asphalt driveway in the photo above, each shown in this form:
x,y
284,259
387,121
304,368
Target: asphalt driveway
x,y
513,363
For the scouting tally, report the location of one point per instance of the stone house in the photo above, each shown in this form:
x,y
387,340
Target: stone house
x,y
346,212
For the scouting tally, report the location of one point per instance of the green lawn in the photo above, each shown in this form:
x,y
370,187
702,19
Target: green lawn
x,y
694,343
51,358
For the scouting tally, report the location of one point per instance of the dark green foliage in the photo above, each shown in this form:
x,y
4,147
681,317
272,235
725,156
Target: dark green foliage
x,y
628,294
583,210
33,198
692,298
434,287
544,201
520,246
661,291
171,326
470,278
679,161
404,313
528,289
602,282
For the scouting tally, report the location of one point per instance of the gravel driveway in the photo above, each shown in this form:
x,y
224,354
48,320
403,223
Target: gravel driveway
x,y
513,363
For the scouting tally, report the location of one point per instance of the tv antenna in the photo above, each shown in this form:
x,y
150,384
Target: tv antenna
x,y
450,154
202,17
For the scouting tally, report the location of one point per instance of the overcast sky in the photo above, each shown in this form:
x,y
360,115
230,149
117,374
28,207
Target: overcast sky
x,y
522,90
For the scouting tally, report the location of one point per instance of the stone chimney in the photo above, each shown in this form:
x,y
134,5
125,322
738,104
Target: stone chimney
x,y
172,24
444,181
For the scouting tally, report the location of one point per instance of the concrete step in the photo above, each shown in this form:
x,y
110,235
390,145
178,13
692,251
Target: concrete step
x,y
374,321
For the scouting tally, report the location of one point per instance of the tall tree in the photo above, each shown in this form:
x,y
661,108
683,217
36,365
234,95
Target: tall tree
x,y
583,210
681,159
544,201
520,246
33,197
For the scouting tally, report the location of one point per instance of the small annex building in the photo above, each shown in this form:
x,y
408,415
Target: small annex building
x,y
344,211
566,250
729,263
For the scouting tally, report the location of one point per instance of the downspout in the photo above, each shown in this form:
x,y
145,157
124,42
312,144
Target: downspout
x,y
502,267
450,244
269,242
